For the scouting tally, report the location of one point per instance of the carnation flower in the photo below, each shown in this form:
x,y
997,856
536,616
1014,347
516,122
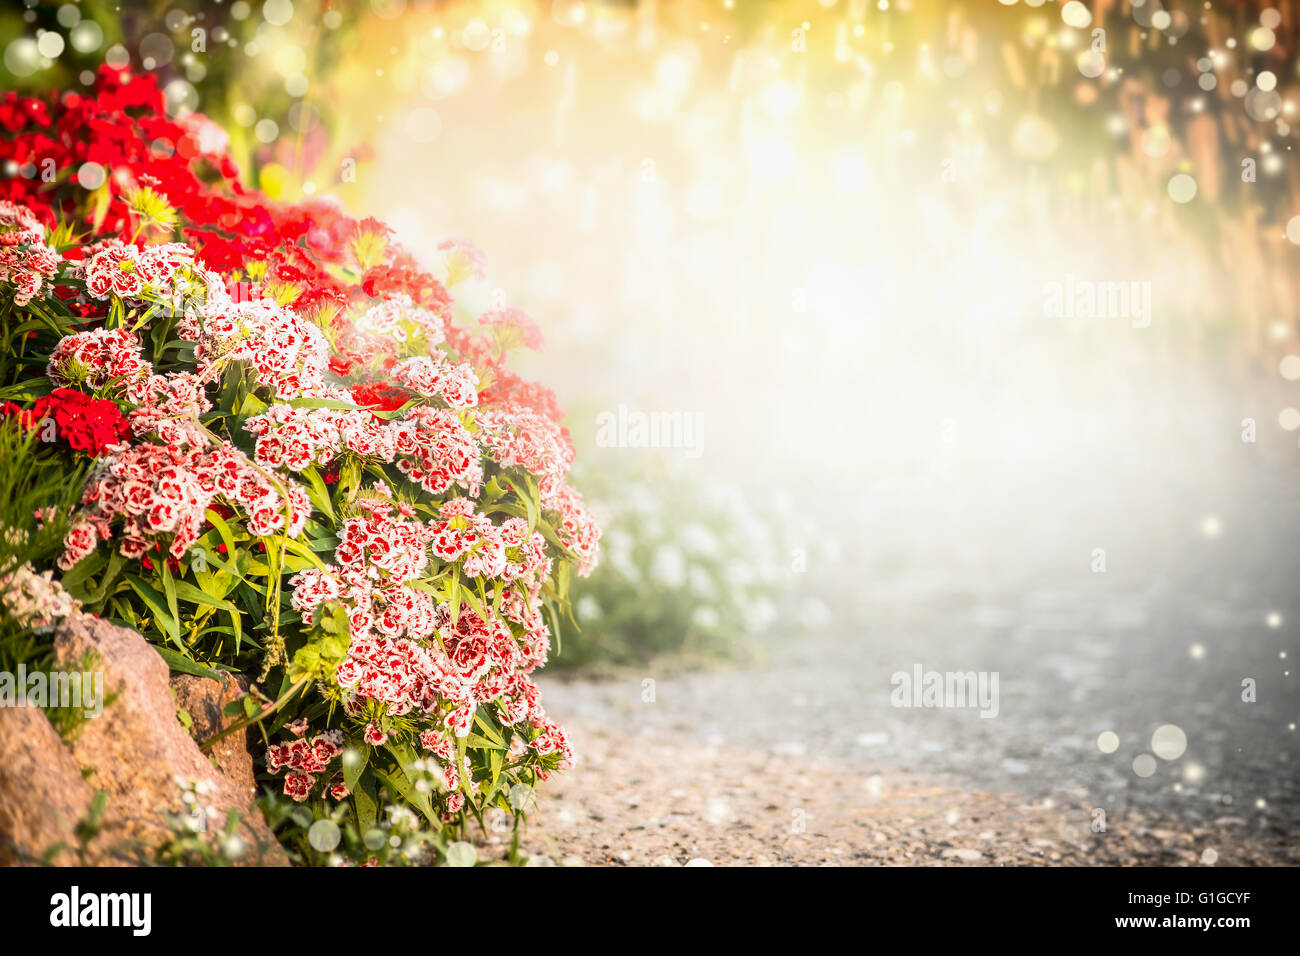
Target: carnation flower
x,y
207,382
108,360
86,424
398,317
130,271
435,377
463,260
161,493
383,396
35,600
289,355
26,262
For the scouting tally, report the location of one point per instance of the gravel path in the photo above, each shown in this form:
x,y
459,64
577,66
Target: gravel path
x,y
805,759
670,802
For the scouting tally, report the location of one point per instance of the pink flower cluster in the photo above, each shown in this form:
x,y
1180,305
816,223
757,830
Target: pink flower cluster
x,y
431,446
483,664
100,360
519,437
287,352
297,438
406,654
129,271
514,323
160,494
26,261
110,360
470,257
434,376
169,409
378,552
397,315
305,759
405,676
444,749
578,529
486,547
393,659
436,451
383,543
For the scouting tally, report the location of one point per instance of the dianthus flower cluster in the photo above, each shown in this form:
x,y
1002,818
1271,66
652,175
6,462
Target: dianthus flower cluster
x,y
289,381
147,494
130,271
26,262
87,424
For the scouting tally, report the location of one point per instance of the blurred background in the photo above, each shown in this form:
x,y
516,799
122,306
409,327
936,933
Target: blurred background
x,y
967,331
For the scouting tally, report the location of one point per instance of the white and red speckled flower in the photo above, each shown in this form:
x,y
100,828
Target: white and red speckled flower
x,y
428,500
26,262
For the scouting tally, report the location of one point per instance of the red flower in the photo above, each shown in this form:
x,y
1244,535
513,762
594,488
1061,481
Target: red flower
x,y
380,395
87,424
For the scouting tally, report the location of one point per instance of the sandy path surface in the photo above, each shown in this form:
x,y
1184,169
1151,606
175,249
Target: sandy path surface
x,y
806,758
668,801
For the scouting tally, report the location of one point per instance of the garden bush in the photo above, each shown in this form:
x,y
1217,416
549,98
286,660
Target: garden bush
x,y
693,572
297,458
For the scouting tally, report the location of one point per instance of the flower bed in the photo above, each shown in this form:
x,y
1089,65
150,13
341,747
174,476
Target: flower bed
x,y
302,465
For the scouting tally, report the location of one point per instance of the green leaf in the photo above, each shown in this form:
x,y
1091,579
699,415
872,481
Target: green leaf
x,y
189,592
396,413
461,744
319,494
494,768
156,602
403,753
183,664
365,801
453,597
169,588
298,548
401,786
352,769
324,403
251,405
227,536
488,730
98,596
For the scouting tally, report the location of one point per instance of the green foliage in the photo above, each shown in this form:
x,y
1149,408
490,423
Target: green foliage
x,y
690,570
320,835
326,648
33,475
223,603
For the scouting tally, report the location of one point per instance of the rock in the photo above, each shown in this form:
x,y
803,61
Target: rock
x,y
205,701
969,856
42,793
135,751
